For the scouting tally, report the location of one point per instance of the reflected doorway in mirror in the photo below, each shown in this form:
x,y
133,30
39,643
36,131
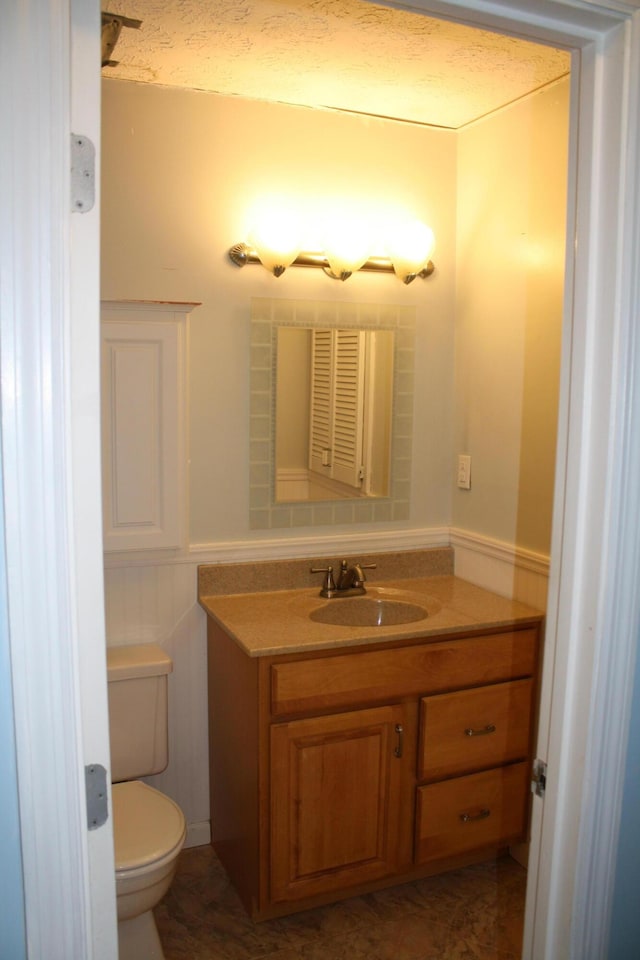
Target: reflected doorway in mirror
x,y
334,402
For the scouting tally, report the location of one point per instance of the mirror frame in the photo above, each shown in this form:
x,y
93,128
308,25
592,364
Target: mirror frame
x,y
266,316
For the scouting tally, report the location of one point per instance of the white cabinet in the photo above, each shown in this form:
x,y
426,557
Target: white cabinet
x,y
144,448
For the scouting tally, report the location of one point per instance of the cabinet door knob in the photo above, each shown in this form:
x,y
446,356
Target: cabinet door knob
x,y
400,744
490,728
470,817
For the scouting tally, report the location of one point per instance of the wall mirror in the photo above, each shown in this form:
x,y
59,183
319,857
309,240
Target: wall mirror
x,y
331,412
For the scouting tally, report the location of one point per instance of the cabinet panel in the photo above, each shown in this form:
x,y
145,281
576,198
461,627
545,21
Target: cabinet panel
x,y
474,729
469,813
378,675
143,424
336,801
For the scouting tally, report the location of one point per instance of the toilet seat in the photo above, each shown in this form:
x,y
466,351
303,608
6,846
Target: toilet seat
x,y
148,827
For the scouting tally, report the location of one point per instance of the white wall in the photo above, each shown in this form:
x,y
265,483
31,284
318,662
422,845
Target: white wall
x,y
157,604
512,187
180,170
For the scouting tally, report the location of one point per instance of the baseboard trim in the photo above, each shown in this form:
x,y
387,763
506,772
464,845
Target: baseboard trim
x,y
198,834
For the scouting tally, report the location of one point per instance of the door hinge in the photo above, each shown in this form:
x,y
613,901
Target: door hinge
x,y
83,173
95,778
539,778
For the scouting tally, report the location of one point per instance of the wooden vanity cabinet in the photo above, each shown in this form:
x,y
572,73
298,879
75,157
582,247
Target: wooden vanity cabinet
x,y
343,770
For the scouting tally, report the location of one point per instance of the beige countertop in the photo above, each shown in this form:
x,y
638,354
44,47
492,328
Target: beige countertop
x,y
277,621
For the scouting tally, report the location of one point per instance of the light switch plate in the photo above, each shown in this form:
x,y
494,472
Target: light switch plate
x,y
464,471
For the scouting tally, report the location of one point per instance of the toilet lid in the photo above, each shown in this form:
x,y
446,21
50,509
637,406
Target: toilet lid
x,y
147,825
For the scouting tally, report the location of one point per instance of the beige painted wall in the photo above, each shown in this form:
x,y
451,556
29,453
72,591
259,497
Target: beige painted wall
x,y
180,172
512,183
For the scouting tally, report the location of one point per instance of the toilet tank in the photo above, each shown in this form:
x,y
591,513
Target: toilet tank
x,y
138,710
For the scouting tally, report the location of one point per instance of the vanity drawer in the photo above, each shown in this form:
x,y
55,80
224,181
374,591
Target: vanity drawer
x,y
468,813
378,676
474,729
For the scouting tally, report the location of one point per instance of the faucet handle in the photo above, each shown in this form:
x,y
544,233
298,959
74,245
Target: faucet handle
x,y
329,585
358,569
364,566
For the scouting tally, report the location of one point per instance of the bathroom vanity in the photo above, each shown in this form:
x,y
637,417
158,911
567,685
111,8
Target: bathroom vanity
x,y
347,757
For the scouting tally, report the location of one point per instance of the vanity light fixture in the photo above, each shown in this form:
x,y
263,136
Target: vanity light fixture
x,y
409,252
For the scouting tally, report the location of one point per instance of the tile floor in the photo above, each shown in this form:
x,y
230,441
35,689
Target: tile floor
x,y
470,914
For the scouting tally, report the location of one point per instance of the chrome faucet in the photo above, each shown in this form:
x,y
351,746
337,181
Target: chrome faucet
x,y
351,579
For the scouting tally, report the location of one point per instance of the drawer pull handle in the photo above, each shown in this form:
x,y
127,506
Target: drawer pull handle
x,y
469,818
490,728
400,744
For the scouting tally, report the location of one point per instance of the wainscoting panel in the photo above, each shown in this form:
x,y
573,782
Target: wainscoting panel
x,y
158,604
502,568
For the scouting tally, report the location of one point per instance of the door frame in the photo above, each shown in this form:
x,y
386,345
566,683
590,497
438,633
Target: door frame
x,y
50,427
49,331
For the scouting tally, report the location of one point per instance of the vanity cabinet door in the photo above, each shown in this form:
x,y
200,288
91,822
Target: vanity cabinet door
x,y
338,792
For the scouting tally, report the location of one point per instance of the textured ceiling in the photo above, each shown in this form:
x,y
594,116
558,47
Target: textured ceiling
x,y
342,54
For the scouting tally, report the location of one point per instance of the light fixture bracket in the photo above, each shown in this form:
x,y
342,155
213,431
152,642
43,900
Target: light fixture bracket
x,y
242,254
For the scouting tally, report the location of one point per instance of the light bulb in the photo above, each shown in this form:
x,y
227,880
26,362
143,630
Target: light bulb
x,y
347,247
276,239
409,247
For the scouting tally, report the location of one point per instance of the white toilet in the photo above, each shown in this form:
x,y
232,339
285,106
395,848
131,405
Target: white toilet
x,y
149,828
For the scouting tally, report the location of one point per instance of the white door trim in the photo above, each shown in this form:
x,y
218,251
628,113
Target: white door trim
x,y
585,582
49,323
85,505
618,625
